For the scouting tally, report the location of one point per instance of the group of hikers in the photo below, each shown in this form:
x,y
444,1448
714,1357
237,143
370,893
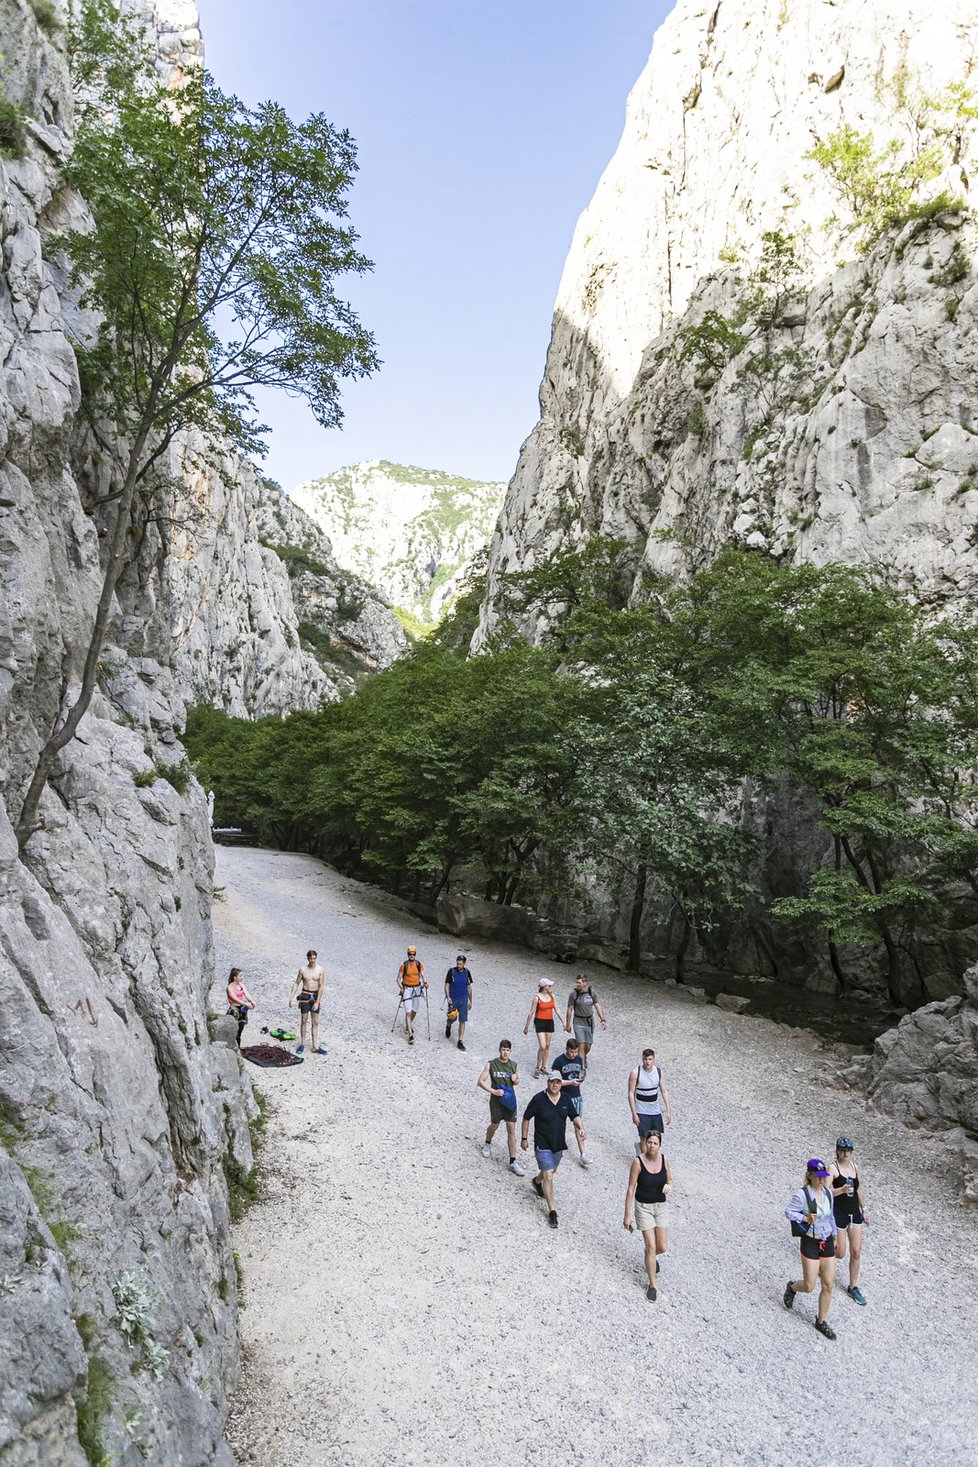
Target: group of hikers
x,y
827,1213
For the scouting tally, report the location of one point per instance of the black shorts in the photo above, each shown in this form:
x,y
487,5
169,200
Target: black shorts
x,y
306,1001
843,1219
498,1112
818,1248
543,1026
648,1124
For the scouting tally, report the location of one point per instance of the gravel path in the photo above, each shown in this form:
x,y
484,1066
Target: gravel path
x,y
406,1302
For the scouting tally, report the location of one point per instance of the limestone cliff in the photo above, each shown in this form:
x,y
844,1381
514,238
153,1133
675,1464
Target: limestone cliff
x,y
840,423
859,442
413,532
118,1115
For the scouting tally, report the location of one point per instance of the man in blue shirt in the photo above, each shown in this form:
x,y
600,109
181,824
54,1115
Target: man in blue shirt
x,y
549,1112
458,995
571,1067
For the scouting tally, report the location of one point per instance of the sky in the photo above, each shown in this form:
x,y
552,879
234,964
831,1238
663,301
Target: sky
x,y
482,128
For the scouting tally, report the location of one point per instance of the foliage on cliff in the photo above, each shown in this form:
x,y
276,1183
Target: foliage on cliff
x,y
208,271
619,747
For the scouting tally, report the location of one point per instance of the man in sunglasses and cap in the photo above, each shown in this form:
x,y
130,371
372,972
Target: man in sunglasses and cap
x,y
458,998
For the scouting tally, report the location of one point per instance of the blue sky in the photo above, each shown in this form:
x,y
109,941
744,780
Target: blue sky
x,y
483,127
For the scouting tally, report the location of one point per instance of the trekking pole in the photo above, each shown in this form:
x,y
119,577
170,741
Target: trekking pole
x,y
396,1012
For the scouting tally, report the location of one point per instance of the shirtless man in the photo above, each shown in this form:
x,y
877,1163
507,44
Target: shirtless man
x,y
310,985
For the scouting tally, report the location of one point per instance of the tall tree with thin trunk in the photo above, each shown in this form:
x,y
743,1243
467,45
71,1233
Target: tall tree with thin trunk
x,y
209,270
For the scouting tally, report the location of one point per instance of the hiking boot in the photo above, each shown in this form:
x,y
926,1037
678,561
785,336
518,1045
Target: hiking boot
x,y
856,1294
410,1039
460,1045
789,1296
552,1219
584,1160
448,1031
538,1186
486,1149
516,1169
824,1328
651,1294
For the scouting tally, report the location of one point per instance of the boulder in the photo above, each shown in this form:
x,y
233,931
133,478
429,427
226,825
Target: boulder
x,y
465,915
734,1003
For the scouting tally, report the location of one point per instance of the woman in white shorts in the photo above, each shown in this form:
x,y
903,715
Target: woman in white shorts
x,y
649,1185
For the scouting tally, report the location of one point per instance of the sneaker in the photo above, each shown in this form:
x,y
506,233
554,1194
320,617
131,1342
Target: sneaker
x,y
651,1293
538,1186
448,1031
460,1045
789,1296
824,1328
856,1294
584,1160
516,1169
552,1219
486,1149
410,1039
300,1049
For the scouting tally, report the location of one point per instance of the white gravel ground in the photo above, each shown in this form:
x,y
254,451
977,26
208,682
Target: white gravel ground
x,y
406,1302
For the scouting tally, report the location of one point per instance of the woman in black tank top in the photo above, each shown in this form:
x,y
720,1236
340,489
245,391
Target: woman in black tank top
x,y
649,1185
849,1201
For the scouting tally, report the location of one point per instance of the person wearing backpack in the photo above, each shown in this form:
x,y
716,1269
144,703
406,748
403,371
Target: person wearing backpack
x,y
458,998
582,1005
411,982
647,1094
812,1216
499,1080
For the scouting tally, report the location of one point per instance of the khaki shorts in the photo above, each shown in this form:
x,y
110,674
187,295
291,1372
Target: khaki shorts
x,y
651,1215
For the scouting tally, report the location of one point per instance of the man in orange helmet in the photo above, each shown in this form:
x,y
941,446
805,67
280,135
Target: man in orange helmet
x,y
412,983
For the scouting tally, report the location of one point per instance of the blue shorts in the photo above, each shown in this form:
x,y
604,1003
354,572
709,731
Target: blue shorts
x,y
547,1161
463,1010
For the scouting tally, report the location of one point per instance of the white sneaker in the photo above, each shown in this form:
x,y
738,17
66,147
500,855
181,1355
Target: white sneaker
x,y
516,1169
584,1160
486,1149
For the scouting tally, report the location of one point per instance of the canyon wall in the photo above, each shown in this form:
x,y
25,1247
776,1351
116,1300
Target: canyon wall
x,y
120,1116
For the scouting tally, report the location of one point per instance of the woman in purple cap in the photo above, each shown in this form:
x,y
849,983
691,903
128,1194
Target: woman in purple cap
x,y
812,1217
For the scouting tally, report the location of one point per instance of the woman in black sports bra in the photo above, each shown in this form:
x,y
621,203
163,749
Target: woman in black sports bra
x,y
850,1213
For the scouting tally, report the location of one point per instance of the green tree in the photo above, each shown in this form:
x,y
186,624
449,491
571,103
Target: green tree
x,y
209,271
839,685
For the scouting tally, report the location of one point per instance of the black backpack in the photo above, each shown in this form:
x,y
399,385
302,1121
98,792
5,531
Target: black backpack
x,y
799,1230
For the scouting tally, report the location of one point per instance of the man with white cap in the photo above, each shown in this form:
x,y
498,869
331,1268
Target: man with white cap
x,y
549,1112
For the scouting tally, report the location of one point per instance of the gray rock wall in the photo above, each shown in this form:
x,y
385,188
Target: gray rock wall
x,y
117,1114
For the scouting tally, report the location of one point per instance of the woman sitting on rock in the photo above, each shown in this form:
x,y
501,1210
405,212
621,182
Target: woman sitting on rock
x,y
812,1217
850,1213
541,1015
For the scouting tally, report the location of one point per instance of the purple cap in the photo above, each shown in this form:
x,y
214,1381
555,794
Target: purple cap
x,y
817,1168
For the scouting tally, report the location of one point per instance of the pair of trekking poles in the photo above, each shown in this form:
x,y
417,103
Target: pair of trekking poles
x,y
400,1003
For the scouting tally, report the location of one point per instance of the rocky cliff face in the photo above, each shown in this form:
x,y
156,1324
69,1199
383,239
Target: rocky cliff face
x,y
412,532
855,439
118,1115
841,426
